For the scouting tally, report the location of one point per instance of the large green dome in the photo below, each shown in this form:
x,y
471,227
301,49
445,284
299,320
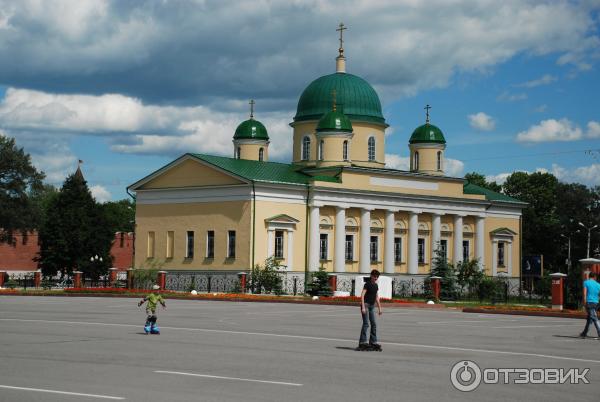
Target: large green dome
x,y
251,130
355,97
427,133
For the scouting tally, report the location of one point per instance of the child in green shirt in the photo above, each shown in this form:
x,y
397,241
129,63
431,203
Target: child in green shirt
x,y
153,299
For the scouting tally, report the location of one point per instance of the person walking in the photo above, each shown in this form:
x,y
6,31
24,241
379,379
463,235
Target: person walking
x,y
591,290
368,299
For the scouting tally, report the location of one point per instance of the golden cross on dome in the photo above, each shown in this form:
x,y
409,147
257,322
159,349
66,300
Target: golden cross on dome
x,y
333,98
341,28
252,108
427,113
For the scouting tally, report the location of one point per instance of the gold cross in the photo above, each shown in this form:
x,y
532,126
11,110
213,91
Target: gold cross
x,y
427,113
252,108
333,97
341,28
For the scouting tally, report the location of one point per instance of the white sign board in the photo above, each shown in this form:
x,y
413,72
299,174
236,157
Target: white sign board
x,y
384,283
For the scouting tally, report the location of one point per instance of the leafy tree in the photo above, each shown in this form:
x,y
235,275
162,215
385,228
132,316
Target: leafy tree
x,y
440,267
18,180
120,215
266,279
469,275
74,230
479,180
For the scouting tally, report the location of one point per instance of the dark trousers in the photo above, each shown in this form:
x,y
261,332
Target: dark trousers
x,y
368,317
592,317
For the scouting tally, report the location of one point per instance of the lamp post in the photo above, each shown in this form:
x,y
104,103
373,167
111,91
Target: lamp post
x,y
94,260
589,235
569,252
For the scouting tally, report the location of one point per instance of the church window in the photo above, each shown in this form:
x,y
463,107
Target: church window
x,y
189,253
421,250
374,248
466,250
305,148
397,249
345,150
323,251
321,146
439,160
231,244
444,249
501,254
416,161
279,244
239,152
170,244
210,244
349,248
150,251
371,148
261,154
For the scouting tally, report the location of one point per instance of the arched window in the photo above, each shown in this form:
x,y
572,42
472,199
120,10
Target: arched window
x,y
321,146
371,148
261,154
416,161
305,148
239,153
345,150
439,160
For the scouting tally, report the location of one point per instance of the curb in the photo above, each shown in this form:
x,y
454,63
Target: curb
x,y
569,314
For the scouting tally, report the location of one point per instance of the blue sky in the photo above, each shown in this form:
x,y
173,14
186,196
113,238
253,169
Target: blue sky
x,y
128,87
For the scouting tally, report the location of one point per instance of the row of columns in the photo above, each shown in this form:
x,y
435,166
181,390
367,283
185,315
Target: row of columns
x,y
339,260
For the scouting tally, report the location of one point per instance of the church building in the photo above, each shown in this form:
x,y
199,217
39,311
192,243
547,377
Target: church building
x,y
335,205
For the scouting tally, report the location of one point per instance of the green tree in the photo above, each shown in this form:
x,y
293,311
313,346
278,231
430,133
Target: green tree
x,y
120,215
18,180
74,230
440,267
266,279
479,180
469,275
319,283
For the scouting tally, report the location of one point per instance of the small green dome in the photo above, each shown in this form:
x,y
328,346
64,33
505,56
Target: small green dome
x,y
334,121
355,97
427,133
251,130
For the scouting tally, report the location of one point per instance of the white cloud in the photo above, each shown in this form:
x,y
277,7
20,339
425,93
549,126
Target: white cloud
x,y
452,167
499,178
482,121
100,193
544,80
593,129
511,97
588,175
551,130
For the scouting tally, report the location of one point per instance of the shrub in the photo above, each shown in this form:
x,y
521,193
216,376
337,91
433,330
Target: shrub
x,y
441,268
319,284
266,279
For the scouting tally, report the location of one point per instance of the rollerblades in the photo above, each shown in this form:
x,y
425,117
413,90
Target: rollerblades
x,y
369,347
151,327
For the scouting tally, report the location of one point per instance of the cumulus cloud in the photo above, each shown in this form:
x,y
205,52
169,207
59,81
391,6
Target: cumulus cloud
x,y
482,121
551,130
100,193
511,97
544,80
188,53
499,178
588,175
593,129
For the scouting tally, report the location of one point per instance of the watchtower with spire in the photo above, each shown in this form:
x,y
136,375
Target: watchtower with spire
x,y
251,140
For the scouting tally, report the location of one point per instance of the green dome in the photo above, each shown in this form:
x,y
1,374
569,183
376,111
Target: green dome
x,y
355,97
335,121
427,133
251,130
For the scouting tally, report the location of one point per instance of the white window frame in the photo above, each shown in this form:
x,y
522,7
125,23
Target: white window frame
x,y
282,245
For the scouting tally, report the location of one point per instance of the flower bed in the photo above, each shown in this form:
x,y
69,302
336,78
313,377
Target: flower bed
x,y
525,310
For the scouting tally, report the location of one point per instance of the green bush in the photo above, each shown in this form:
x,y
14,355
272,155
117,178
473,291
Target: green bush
x,y
441,268
319,284
267,279
468,276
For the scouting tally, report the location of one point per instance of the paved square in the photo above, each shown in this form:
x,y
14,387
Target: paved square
x,y
80,349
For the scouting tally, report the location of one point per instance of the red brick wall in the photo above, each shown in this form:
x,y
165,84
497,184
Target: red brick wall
x,y
20,257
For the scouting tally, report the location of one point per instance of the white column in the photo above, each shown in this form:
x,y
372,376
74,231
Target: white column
x,y
508,259
339,259
436,233
458,239
495,258
413,243
313,239
388,248
480,239
271,243
290,250
365,239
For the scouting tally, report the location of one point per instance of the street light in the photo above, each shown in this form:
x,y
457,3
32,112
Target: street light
x,y
589,235
569,253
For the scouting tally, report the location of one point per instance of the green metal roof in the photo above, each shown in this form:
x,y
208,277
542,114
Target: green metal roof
x,y
355,97
251,129
270,172
335,121
470,188
427,133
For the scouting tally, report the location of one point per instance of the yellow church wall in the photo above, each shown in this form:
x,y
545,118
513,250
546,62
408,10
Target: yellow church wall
x,y
268,209
427,159
333,151
251,151
301,130
491,224
200,218
190,173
